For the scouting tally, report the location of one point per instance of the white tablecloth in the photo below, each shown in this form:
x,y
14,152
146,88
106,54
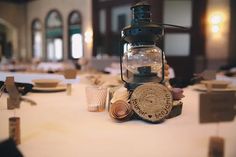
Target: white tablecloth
x,y
61,126
27,78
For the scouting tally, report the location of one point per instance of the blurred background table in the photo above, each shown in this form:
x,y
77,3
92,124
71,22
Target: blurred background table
x,y
60,125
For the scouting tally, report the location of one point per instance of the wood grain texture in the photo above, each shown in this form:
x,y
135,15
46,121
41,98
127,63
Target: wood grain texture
x,y
152,102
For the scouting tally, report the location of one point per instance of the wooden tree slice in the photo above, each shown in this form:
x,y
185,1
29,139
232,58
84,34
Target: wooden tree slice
x,y
152,101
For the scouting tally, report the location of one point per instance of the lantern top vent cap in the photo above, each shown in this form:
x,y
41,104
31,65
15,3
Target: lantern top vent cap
x,y
140,4
142,30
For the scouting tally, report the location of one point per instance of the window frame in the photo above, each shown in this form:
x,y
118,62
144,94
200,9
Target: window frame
x,y
33,34
70,35
61,36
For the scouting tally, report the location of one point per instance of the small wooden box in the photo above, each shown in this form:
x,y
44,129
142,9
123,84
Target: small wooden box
x,y
216,147
14,129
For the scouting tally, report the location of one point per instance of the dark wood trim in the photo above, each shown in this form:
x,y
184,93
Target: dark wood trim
x,y
157,15
107,6
232,36
156,9
198,28
3,42
112,3
108,30
95,24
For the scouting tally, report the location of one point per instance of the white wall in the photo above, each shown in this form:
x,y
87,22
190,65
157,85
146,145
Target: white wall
x,y
13,17
217,47
40,8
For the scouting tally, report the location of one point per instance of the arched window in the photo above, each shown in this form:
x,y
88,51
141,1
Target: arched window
x,y
37,51
75,36
54,34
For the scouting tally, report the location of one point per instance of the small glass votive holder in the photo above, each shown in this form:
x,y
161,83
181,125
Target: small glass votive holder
x,y
96,98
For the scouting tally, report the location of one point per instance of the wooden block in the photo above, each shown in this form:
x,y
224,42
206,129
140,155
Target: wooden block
x,y
13,103
10,80
70,73
14,129
216,147
176,109
217,107
14,96
209,75
11,87
68,88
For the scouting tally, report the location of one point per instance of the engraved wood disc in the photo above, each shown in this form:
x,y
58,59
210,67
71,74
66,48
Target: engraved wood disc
x,y
152,101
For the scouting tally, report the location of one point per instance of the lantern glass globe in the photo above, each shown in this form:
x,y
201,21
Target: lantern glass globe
x,y
143,56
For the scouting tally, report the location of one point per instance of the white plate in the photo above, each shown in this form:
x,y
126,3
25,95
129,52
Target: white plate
x,y
58,88
201,87
46,83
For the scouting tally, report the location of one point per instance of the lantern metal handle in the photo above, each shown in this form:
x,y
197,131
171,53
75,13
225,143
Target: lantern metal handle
x,y
162,68
121,62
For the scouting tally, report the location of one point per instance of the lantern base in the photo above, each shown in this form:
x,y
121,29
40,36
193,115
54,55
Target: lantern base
x,y
138,80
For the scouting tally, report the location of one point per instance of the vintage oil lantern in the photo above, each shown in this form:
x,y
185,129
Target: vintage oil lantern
x,y
150,93
143,60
